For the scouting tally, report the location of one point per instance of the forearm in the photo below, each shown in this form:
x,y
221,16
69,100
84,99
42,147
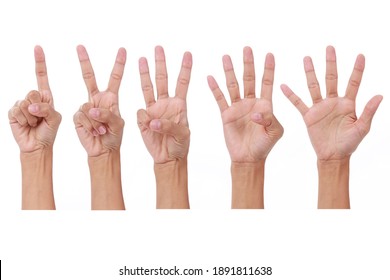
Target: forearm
x,y
37,180
106,182
172,185
248,185
333,186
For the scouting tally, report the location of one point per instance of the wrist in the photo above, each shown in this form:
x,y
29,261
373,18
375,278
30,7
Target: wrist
x,y
248,184
104,158
32,156
37,179
106,183
333,187
172,184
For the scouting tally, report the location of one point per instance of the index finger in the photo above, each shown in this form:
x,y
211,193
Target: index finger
x,y
117,71
356,78
41,70
268,77
184,76
87,71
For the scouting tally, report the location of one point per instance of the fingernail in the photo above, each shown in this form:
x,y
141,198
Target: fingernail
x,y
94,112
257,116
102,130
33,108
155,124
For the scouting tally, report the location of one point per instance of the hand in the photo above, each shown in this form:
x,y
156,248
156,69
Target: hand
x,y
98,122
164,124
250,128
334,129
34,122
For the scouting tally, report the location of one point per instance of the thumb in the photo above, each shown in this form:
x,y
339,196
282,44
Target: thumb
x,y
364,122
261,119
105,116
270,123
163,126
46,111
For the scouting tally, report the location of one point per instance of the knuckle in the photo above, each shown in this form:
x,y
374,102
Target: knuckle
x,y
354,83
88,75
232,85
121,122
147,88
297,102
313,85
268,81
161,76
33,95
248,78
59,117
183,81
116,76
85,107
331,77
41,72
219,97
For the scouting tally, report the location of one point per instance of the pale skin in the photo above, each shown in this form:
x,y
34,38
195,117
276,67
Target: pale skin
x,y
164,129
99,127
250,128
34,124
334,129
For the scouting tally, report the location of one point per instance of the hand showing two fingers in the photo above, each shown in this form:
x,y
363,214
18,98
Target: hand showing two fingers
x,y
98,122
34,122
250,128
164,124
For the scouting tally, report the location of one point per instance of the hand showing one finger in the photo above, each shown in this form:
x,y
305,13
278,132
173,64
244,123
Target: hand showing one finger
x,y
34,121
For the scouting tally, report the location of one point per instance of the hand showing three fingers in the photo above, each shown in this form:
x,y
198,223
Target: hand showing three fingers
x,y
333,127
34,122
98,122
250,128
164,124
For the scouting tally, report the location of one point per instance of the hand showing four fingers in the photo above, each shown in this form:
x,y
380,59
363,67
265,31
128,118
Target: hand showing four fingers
x,y
34,122
250,128
98,122
164,124
332,124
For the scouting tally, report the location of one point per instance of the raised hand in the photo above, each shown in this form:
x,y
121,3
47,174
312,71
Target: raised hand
x,y
34,121
98,122
34,124
100,129
164,124
334,129
250,128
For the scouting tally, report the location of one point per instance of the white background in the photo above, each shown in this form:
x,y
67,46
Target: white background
x,y
297,240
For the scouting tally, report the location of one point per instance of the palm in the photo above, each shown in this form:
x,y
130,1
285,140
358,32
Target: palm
x,y
247,141
332,129
163,147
